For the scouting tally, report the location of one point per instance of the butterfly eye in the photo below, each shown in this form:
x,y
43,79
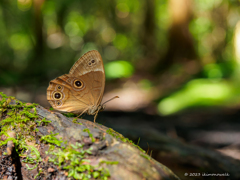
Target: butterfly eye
x,y
78,84
58,103
91,62
57,95
59,87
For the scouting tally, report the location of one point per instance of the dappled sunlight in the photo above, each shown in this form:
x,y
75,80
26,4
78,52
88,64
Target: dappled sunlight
x,y
108,34
173,55
122,10
131,98
197,92
24,5
232,151
55,40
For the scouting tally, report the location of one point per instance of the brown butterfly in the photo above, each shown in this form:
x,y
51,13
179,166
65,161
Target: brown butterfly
x,y
81,90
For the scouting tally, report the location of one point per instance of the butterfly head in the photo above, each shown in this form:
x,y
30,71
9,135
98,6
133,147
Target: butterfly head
x,y
95,109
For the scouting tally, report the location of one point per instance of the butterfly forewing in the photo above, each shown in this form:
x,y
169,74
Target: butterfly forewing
x,y
90,67
82,88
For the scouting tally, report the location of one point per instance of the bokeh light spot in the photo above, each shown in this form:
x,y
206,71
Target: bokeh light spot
x,y
55,40
118,69
71,29
108,34
20,41
122,10
120,41
24,5
145,84
76,42
213,71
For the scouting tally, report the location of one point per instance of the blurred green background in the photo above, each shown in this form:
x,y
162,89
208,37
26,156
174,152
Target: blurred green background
x,y
160,56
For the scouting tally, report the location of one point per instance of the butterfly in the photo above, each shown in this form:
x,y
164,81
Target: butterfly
x,y
81,90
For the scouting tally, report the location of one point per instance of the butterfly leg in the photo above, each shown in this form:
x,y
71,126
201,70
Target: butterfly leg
x,y
100,108
95,117
82,112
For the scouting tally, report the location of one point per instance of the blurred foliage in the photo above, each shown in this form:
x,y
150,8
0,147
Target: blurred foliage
x,y
41,40
119,69
197,92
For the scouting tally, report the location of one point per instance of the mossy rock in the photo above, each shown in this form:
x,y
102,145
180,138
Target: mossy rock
x,y
39,144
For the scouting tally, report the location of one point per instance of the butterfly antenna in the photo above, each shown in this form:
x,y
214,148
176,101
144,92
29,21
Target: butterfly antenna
x,y
110,99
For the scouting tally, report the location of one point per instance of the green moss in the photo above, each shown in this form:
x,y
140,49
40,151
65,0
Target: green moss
x,y
43,122
50,138
33,158
39,172
113,133
76,121
109,162
73,159
145,156
69,114
90,135
22,118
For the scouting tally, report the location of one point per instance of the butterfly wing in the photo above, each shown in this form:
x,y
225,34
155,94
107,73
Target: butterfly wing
x,y
82,88
90,70
60,97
